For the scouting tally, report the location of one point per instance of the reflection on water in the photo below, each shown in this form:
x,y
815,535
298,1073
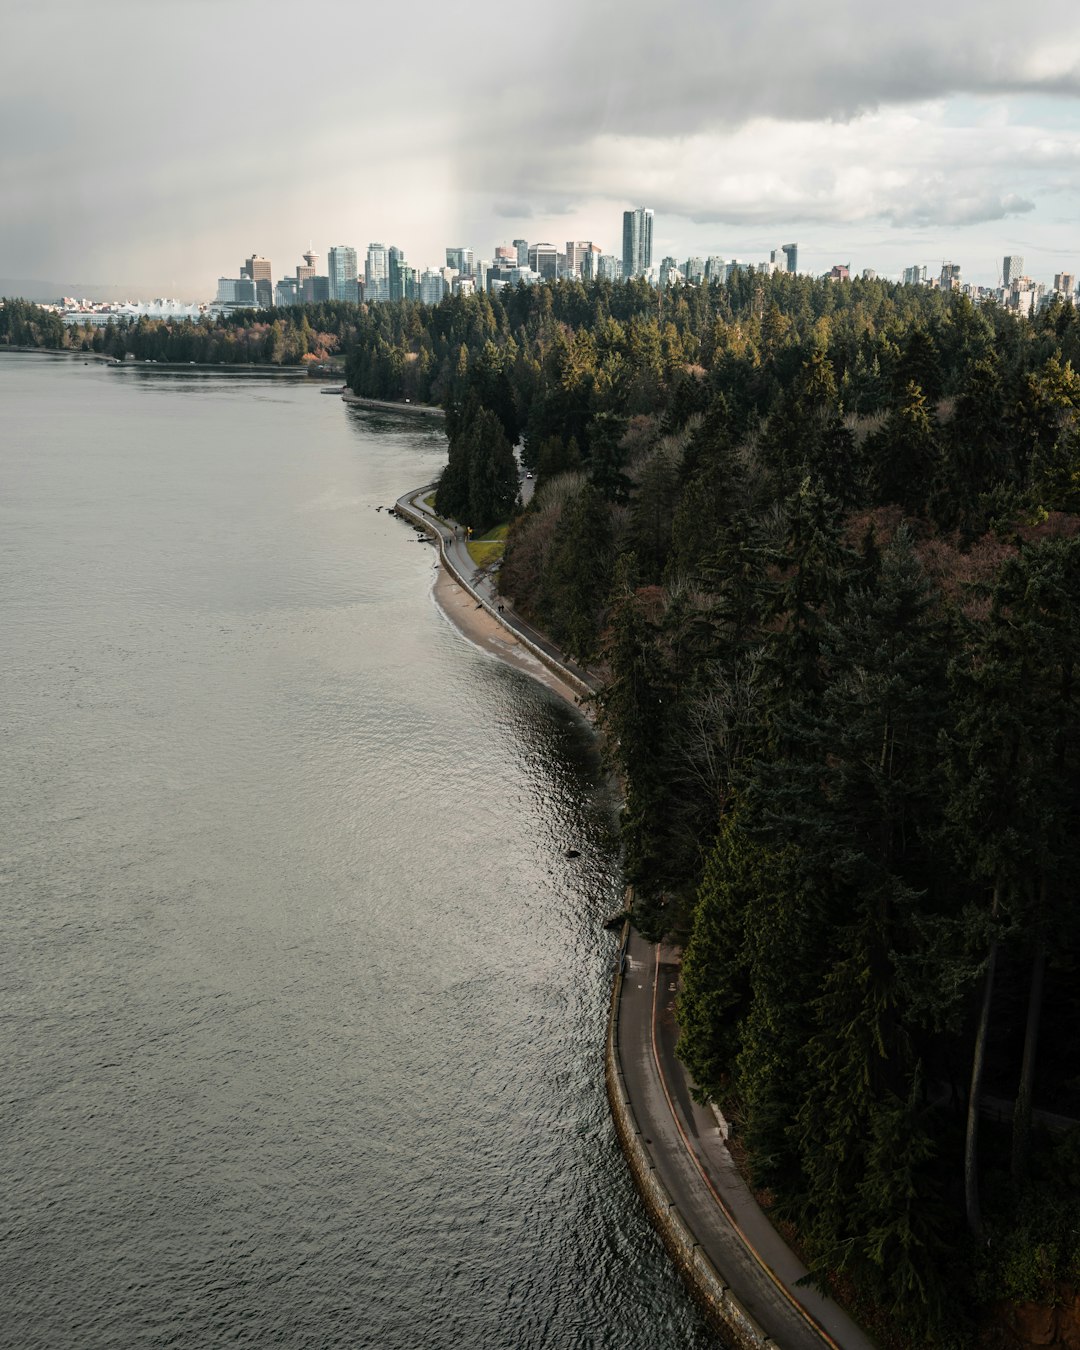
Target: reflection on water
x,y
303,1001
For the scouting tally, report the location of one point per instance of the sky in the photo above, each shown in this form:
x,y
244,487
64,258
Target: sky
x,y
155,144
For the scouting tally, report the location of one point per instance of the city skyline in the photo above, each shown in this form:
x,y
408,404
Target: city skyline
x,y
876,141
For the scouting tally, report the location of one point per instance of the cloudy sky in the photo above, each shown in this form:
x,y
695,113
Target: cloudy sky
x,y
156,143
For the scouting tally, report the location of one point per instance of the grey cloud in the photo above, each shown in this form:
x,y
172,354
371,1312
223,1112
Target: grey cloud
x,y
951,208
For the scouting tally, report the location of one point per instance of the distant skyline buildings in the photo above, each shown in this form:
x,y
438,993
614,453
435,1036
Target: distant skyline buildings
x,y
388,276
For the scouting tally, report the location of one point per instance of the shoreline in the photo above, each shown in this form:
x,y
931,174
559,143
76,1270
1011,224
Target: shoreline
x,y
477,626
386,405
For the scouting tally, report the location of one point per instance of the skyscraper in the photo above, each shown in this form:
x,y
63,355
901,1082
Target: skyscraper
x,y
544,258
377,273
341,262
522,246
257,269
400,275
637,231
461,259
1012,267
791,253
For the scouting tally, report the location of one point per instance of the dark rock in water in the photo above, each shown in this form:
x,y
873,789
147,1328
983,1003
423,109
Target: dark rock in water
x,y
573,853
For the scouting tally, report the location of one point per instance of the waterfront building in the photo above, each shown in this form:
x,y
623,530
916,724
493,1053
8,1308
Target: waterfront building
x,y
236,291
1012,268
342,268
637,242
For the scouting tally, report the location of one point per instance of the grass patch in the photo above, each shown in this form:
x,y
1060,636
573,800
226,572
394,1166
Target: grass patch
x,y
429,501
488,548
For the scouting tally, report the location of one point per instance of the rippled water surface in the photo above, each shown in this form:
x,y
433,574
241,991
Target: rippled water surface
x,y
301,1003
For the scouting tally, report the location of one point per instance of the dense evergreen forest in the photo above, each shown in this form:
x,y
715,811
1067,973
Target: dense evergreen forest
x,y
823,543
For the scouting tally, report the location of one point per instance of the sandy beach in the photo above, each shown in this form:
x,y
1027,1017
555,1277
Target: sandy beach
x,y
479,627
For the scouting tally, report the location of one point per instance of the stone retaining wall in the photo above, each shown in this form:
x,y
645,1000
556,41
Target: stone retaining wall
x,y
704,1280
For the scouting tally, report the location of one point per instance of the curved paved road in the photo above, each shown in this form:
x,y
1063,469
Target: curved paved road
x,y
693,1162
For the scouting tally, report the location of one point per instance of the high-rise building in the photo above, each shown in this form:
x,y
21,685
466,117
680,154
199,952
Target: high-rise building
x,y
714,268
637,233
377,273
577,250
694,271
669,273
285,291
544,258
950,277
608,268
257,269
431,287
1065,282
914,276
590,263
399,275
341,262
791,253
522,246
461,259
304,274
1012,267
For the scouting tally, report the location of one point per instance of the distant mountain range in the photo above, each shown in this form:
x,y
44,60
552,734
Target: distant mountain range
x,y
24,288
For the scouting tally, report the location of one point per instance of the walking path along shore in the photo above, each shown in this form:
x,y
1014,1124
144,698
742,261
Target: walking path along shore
x,y
733,1259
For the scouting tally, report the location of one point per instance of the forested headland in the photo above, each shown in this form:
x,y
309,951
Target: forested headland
x,y
281,337
823,543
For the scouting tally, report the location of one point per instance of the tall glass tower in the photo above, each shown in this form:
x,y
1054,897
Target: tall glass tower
x,y
637,241
341,262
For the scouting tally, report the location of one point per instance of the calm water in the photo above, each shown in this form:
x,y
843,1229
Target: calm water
x,y
301,1004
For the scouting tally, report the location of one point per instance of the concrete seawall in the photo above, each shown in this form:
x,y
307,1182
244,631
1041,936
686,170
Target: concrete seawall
x,y
425,523
704,1280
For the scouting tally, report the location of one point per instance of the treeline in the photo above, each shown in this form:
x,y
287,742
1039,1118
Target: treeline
x,y
285,337
823,541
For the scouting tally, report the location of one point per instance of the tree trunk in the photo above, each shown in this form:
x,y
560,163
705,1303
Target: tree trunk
x,y
1022,1110
978,1061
